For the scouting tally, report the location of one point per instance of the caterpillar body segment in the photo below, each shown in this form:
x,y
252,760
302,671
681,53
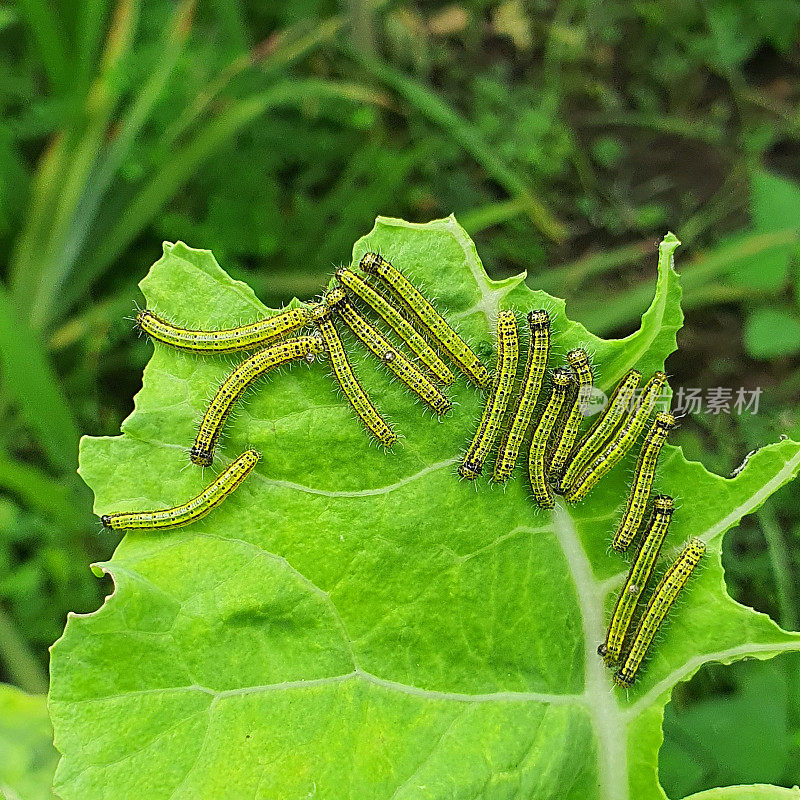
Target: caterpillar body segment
x,y
559,392
428,318
192,510
230,340
535,368
386,353
657,608
395,320
497,403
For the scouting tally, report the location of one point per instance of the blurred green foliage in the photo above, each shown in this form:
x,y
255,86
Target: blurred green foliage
x,y
26,745
734,727
567,137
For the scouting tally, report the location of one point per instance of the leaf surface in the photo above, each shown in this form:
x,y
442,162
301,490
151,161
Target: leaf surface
x,y
356,624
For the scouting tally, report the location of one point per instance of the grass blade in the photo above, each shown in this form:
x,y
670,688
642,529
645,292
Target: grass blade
x,y
281,56
61,176
29,377
50,39
152,197
39,491
626,307
468,137
84,217
90,27
19,661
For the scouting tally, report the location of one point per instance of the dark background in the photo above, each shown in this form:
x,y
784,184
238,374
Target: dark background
x,y
566,137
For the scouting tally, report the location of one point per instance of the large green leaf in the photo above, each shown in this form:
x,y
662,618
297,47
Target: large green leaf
x,y
27,757
356,624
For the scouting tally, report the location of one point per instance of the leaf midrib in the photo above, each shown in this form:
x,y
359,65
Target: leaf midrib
x,y
604,710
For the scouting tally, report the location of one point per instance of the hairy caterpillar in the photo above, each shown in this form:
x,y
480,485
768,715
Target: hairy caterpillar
x,y
497,402
395,320
388,355
660,603
559,392
343,372
428,317
638,578
192,510
235,385
245,337
603,428
578,360
622,442
642,481
538,352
